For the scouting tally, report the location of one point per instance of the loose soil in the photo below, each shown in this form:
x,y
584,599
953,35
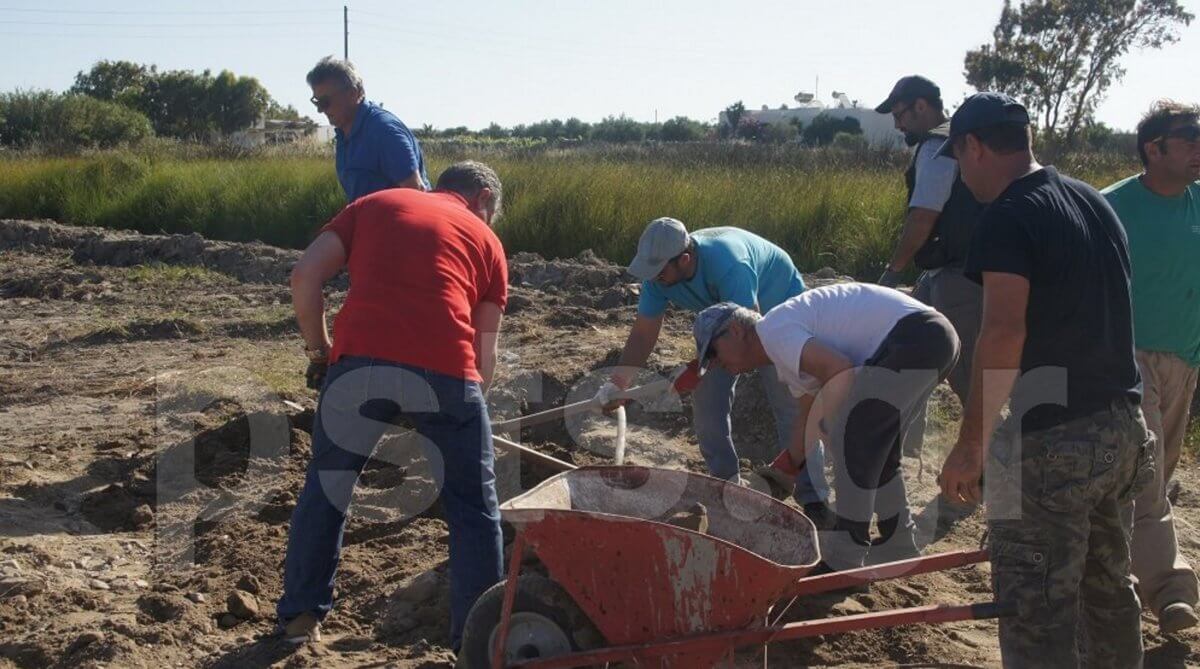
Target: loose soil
x,y
154,431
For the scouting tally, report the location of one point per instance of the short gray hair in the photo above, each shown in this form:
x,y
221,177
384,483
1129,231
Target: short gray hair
x,y
747,318
468,177
330,68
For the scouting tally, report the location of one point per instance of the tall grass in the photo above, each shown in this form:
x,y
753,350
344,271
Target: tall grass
x,y
827,208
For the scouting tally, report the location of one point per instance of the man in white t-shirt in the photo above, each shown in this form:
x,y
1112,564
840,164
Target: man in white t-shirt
x,y
861,360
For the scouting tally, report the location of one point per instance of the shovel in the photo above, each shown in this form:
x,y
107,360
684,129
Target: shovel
x,y
683,379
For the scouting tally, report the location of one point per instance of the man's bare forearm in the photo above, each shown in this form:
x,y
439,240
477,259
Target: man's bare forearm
x,y
309,304
993,374
918,225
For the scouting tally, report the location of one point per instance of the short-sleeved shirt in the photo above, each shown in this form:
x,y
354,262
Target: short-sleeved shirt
x,y
1061,235
419,264
733,265
851,318
378,153
934,179
1164,246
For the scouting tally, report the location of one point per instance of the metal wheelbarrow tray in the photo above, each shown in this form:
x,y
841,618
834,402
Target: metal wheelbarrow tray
x,y
661,595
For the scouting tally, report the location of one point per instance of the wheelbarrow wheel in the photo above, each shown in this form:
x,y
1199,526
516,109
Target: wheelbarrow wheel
x,y
545,622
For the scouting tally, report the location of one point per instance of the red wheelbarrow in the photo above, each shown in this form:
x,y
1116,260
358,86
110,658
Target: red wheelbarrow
x,y
627,586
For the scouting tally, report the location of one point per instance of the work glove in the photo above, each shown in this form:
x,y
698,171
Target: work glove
x,y
606,398
314,376
781,475
889,278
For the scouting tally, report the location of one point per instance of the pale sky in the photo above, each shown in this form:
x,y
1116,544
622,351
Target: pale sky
x,y
471,62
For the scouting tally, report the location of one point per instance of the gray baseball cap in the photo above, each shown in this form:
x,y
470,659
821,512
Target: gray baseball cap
x,y
709,323
662,240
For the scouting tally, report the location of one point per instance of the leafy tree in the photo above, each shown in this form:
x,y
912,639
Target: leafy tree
x,y
52,120
682,129
575,129
495,131
618,129
1061,56
114,80
733,118
822,129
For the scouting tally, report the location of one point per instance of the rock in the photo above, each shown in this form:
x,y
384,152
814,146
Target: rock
x,y
18,600
139,583
15,586
162,608
97,584
419,588
142,516
694,519
826,273
242,604
227,621
249,583
849,607
197,597
86,639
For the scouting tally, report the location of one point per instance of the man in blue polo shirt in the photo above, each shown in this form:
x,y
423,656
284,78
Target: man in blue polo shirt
x,y
375,150
695,271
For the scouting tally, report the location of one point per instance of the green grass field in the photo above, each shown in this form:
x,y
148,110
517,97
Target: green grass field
x,y
827,208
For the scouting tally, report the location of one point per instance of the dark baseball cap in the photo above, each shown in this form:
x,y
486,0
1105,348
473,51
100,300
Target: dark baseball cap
x,y
908,89
983,110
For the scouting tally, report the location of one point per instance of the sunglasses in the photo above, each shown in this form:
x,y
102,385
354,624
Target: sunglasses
x,y
1187,133
711,353
322,103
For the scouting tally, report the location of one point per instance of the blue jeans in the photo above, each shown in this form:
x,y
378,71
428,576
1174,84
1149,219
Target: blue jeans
x,y
359,400
712,402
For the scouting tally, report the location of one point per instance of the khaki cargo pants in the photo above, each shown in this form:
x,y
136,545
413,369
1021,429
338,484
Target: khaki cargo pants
x,y
1060,507
1164,576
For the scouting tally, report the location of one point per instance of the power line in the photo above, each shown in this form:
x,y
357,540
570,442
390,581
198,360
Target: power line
x,y
163,12
163,25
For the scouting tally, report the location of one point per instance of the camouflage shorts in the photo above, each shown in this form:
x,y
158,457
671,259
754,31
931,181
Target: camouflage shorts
x,y
1060,510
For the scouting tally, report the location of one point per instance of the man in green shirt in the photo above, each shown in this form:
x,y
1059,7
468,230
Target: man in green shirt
x,y
1160,210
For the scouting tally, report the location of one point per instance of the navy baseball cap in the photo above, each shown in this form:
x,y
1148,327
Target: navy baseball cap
x,y
983,110
710,323
909,89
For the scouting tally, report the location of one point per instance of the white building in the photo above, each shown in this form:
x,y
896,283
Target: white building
x,y
877,128
278,131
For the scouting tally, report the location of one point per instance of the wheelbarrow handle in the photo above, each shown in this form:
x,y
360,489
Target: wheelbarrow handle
x,y
811,585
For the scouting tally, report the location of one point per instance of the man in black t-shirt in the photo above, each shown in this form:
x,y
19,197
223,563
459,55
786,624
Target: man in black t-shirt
x,y
1056,339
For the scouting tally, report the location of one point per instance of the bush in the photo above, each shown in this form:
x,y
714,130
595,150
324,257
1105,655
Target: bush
x,y
682,129
618,129
846,141
822,129
67,122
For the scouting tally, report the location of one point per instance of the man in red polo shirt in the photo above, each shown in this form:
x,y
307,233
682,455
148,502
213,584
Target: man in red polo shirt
x,y
417,339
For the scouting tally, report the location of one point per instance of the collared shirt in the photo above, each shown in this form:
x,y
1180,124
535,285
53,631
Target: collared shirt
x,y
733,265
1164,247
379,153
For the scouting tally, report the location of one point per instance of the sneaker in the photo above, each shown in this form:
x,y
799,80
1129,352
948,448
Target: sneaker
x,y
1177,616
821,515
304,628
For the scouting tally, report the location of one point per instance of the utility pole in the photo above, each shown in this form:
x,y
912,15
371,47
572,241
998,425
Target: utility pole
x,y
345,32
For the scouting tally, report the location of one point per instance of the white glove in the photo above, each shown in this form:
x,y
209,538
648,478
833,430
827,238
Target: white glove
x,y
607,393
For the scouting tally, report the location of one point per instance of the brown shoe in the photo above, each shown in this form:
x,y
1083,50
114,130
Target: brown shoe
x,y
304,628
1177,616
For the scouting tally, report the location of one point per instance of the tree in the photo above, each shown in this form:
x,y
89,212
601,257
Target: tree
x,y
822,129
114,80
681,129
1060,56
618,129
733,118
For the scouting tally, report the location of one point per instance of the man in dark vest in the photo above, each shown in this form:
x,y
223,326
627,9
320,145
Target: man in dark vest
x,y
937,228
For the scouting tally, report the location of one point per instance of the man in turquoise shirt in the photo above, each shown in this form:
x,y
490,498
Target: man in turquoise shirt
x,y
1160,210
695,271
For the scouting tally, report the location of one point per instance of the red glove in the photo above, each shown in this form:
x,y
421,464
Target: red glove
x,y
783,463
688,379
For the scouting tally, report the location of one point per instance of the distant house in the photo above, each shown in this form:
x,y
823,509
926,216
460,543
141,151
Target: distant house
x,y
267,132
877,128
